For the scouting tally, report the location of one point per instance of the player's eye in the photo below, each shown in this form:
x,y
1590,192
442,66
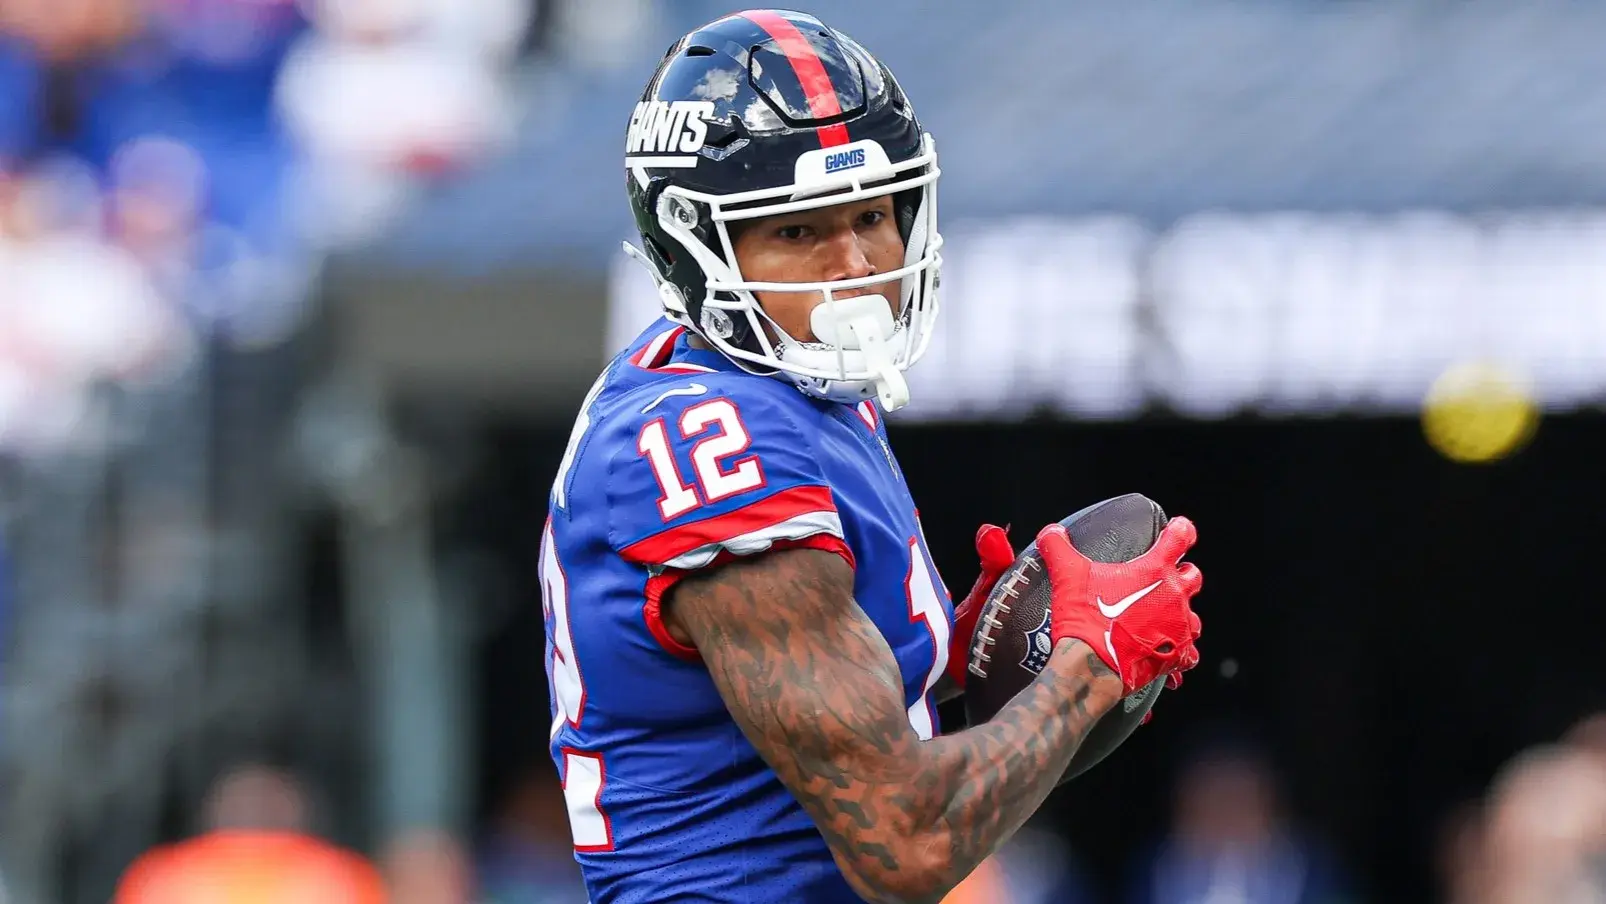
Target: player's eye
x,y
872,217
792,233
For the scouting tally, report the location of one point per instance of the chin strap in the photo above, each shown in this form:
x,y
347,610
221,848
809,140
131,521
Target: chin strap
x,y
861,324
892,390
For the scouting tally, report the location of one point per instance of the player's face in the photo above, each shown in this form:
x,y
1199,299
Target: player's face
x,y
847,241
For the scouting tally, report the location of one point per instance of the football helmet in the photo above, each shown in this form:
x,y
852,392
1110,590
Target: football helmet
x,y
769,112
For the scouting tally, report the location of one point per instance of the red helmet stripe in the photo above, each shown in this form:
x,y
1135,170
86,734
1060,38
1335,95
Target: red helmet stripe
x,y
817,87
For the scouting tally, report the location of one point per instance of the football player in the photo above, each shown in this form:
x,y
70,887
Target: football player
x,y
745,630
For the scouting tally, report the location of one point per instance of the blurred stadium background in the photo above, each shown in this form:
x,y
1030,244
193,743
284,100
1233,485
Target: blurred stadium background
x,y
297,300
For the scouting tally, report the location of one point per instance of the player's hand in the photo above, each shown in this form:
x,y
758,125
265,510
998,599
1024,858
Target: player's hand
x,y
1137,616
992,545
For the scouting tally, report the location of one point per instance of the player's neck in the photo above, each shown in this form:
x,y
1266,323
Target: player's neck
x,y
695,341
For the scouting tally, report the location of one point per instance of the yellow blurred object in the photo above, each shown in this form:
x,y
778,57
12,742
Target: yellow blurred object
x,y
1478,412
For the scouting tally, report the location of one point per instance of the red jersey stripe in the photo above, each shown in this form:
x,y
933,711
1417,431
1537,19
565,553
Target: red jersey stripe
x,y
767,512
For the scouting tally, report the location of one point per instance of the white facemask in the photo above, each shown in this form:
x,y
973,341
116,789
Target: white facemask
x,y
860,349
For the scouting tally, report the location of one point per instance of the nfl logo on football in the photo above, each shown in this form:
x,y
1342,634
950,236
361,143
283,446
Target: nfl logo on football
x,y
1039,643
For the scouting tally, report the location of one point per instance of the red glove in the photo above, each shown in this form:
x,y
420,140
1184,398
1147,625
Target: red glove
x,y
992,544
1136,615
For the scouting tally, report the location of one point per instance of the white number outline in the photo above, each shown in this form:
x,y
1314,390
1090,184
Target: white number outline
x,y
920,586
588,822
675,497
568,684
713,481
733,439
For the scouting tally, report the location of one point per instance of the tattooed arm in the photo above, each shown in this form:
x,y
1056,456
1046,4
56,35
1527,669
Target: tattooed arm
x,y
815,688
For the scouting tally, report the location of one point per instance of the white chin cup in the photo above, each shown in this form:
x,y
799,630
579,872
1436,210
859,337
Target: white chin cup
x,y
852,337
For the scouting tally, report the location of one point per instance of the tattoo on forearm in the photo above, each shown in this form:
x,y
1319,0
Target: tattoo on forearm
x,y
811,682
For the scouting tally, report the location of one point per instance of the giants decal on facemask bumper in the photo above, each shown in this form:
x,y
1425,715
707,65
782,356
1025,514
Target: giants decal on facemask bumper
x,y
844,160
834,169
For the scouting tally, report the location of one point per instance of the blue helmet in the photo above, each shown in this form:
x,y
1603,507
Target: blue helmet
x,y
768,112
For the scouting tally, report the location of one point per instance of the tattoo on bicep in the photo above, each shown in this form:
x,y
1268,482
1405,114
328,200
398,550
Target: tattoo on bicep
x,y
813,685
806,682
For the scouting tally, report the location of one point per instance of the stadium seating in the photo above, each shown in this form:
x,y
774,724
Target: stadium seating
x,y
1157,109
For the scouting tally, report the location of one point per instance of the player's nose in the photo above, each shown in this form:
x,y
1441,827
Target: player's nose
x,y
850,258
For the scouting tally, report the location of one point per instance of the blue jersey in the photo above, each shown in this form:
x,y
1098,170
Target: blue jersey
x,y
677,461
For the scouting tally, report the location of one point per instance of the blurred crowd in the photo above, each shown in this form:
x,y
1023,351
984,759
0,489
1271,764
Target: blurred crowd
x,y
1540,834
258,840
1538,837
174,172
174,175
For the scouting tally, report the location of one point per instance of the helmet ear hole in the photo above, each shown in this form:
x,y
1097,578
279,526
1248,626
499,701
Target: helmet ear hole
x,y
719,323
679,211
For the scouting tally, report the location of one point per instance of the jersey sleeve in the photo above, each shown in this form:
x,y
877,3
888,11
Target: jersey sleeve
x,y
709,472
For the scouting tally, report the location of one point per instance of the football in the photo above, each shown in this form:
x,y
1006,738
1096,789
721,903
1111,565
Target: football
x,y
1012,643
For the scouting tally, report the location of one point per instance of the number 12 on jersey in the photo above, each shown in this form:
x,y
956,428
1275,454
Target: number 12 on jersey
x,y
713,480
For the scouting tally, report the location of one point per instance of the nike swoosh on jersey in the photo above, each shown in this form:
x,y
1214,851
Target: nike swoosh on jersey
x,y
1126,602
693,389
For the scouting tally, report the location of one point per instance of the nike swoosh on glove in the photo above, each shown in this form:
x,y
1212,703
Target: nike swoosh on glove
x,y
1137,616
992,545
